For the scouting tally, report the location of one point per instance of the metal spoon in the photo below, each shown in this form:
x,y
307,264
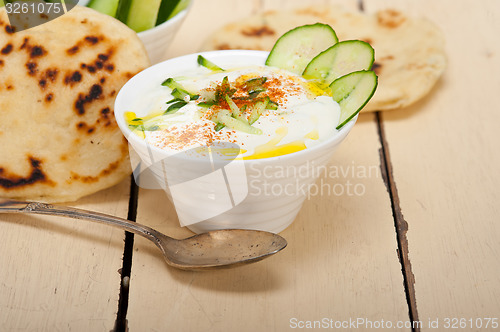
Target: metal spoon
x,y
214,249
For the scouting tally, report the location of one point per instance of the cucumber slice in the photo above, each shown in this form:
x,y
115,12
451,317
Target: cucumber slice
x,y
142,15
340,59
352,92
297,47
166,9
107,7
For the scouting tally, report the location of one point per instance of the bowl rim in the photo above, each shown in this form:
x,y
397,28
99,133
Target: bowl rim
x,y
135,140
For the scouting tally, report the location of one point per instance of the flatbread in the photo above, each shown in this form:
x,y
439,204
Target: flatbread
x,y
409,52
59,140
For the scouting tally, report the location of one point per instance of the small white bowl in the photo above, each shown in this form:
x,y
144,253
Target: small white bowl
x,y
202,204
158,39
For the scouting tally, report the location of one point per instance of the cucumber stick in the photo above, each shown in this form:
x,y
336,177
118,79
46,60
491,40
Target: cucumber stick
x,y
142,14
340,59
122,10
202,61
180,7
107,7
166,9
297,47
352,92
139,15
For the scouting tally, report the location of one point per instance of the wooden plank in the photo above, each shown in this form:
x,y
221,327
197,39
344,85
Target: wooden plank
x,y
444,153
207,16
61,274
341,262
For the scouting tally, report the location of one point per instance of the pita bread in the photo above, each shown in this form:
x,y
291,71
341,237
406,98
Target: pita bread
x,y
58,81
409,52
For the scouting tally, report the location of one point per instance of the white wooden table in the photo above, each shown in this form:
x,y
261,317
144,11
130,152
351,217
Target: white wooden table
x,y
421,243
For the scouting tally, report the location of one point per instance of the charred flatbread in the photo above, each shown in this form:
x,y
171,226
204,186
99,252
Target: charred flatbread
x,y
409,52
58,137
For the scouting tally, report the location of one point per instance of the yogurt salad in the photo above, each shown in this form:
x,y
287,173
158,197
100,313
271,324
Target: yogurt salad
x,y
266,111
309,87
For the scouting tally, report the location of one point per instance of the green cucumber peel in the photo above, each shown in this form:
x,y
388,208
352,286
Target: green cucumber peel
x,y
108,7
202,61
219,126
340,59
352,92
175,107
167,7
123,10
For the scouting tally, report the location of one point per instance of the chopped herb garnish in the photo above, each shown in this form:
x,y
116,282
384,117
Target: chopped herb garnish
x,y
173,101
168,82
175,107
219,126
207,104
255,81
142,128
272,105
254,93
223,89
256,90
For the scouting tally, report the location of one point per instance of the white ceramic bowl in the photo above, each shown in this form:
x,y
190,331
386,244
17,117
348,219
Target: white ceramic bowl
x,y
262,195
158,39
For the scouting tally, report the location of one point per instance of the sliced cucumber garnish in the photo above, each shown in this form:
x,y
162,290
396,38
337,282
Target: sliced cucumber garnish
x,y
224,118
296,48
342,58
352,92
